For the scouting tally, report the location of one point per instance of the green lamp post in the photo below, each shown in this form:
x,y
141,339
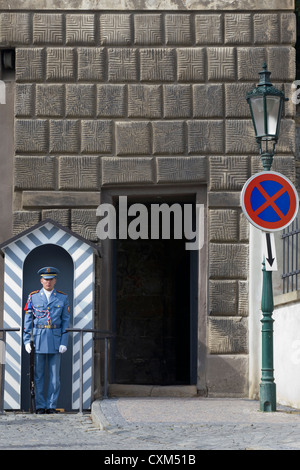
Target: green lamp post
x,y
266,103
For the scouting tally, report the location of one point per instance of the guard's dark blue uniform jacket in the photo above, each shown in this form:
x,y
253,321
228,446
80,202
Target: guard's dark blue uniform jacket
x,y
50,320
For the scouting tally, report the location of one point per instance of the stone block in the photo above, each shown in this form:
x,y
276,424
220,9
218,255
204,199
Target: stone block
x,y
47,28
289,108
145,101
127,170
244,229
256,164
266,28
31,135
23,220
205,137
236,104
177,101
227,375
84,222
15,28
91,64
53,199
191,64
24,101
96,136
209,29
240,137
61,216
238,28
221,63
80,29
250,61
168,137
111,100
286,57
224,199
228,173
243,304
133,138
288,27
80,100
115,29
223,298
148,29
228,261
122,65
49,100
281,164
223,225
181,169
64,136
178,29
29,64
60,64
34,173
207,100
79,172
157,65
227,335
287,141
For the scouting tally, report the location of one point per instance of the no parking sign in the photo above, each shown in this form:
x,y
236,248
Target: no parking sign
x,y
269,201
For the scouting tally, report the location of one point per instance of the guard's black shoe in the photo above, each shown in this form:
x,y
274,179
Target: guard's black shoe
x,y
51,411
40,411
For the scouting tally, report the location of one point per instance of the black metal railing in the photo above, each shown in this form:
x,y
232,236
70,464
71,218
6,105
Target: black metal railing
x,y
290,257
101,335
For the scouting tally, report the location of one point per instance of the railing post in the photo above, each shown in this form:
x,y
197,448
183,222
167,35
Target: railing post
x,y
3,341
290,258
107,335
105,365
81,373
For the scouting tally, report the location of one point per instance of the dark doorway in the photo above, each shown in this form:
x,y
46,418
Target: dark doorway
x,y
49,255
155,312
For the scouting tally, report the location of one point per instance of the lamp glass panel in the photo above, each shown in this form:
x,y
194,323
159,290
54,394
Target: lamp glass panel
x,y
257,104
273,105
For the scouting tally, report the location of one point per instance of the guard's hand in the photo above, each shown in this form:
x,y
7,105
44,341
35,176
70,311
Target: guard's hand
x,y
62,349
28,348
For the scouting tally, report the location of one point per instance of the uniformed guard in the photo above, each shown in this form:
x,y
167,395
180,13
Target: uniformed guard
x,y
48,315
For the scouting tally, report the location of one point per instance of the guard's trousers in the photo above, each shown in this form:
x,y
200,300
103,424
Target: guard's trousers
x,y
54,380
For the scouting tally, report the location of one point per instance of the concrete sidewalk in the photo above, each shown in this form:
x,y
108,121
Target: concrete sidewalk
x,y
183,425
205,423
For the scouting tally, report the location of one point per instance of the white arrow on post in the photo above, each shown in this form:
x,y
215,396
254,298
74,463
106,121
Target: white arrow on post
x,y
270,252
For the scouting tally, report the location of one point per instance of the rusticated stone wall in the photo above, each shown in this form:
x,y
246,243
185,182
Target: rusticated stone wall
x,y
150,98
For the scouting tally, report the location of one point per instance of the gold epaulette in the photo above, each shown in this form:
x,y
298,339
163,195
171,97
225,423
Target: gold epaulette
x,y
61,292
34,292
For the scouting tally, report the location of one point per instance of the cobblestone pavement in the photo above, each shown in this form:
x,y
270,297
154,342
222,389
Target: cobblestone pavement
x,y
181,424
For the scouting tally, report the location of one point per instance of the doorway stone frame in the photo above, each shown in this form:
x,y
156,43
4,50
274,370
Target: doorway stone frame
x,y
159,194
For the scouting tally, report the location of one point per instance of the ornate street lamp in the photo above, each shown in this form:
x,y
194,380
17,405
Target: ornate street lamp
x,y
266,104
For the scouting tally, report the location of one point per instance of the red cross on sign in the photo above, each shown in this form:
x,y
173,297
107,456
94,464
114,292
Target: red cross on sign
x,y
269,201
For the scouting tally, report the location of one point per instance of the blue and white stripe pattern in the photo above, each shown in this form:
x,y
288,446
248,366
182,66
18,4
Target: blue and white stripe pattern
x,y
83,258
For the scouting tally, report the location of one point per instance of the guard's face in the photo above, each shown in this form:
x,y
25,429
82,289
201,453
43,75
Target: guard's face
x,y
48,284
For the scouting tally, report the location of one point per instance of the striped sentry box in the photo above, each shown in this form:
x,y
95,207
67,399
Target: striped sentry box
x,y
83,254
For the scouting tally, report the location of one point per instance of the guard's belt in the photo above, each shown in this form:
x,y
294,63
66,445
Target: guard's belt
x,y
51,327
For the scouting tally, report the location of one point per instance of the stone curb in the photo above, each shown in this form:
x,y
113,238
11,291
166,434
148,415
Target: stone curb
x,y
98,417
